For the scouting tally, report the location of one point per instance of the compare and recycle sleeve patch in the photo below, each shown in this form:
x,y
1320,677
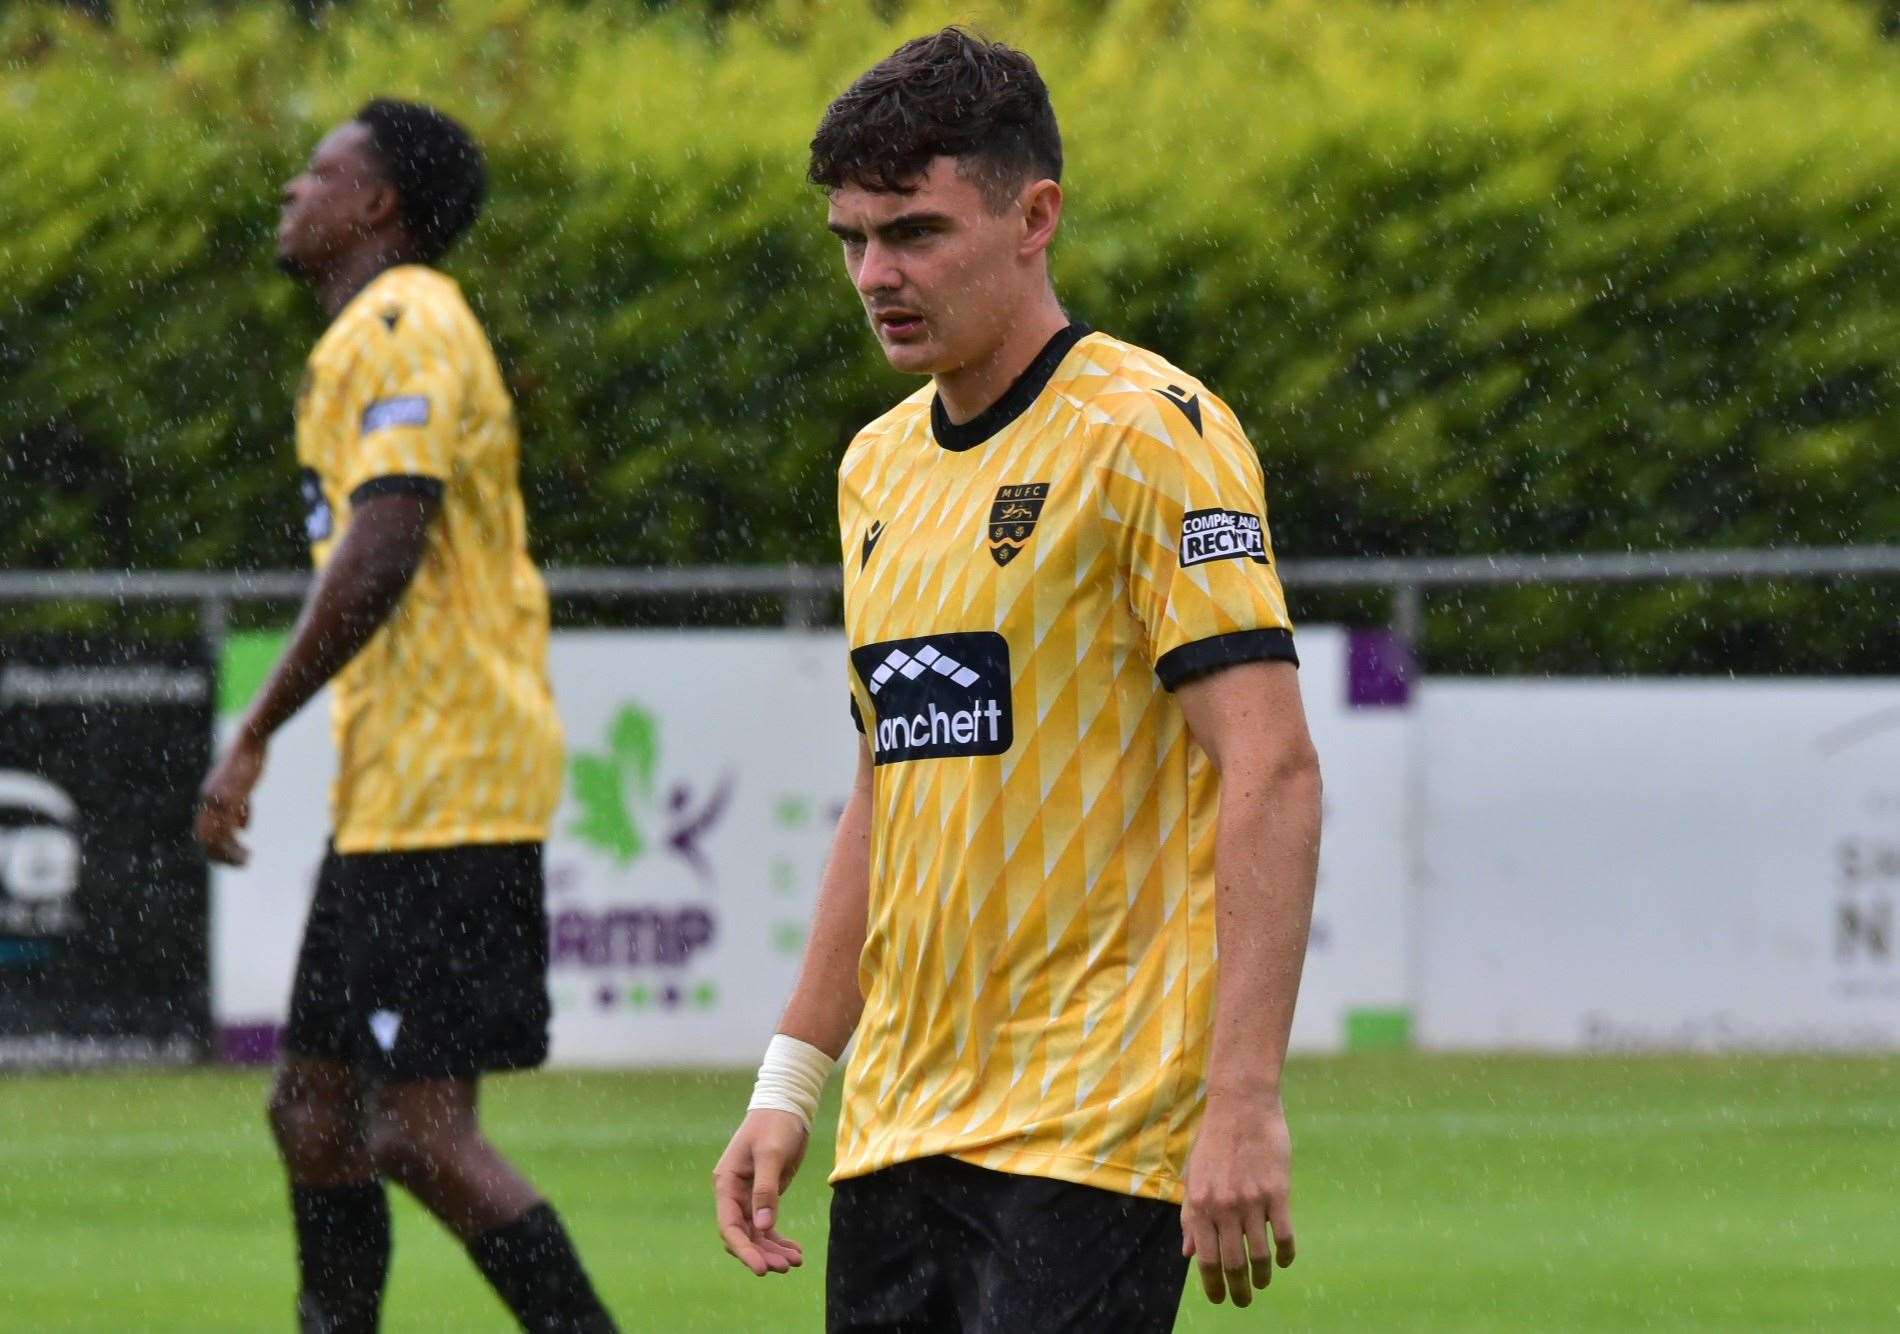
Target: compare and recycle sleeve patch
x,y
1219,534
409,410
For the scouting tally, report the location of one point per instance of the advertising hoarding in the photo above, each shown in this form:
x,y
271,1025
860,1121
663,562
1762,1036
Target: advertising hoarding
x,y
1687,865
102,893
706,770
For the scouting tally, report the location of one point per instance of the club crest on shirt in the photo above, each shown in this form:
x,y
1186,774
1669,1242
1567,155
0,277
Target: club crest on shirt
x,y
1013,518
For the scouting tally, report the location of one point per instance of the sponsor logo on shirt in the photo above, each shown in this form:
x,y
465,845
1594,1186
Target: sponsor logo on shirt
x,y
1013,518
409,410
317,519
937,696
1209,535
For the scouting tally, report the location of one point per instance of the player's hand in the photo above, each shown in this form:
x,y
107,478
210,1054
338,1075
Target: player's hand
x,y
753,1172
1238,1181
224,801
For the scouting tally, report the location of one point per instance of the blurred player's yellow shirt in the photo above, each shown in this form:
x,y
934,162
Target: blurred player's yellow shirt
x,y
445,726
1021,595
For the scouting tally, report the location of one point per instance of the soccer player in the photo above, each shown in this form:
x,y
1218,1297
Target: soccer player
x,y
1067,903
424,960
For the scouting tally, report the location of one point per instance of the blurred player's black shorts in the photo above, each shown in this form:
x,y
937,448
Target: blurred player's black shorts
x,y
425,965
939,1244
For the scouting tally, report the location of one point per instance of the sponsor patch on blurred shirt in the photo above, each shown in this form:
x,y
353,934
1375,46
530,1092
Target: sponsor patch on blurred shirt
x,y
1221,534
317,520
412,410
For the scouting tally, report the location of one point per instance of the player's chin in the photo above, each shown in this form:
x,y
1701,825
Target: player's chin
x,y
916,355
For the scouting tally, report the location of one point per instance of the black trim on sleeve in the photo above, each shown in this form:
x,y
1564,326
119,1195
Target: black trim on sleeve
x,y
857,719
1181,665
398,484
1015,400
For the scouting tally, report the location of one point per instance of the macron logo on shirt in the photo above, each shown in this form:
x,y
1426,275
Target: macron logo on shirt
x,y
410,410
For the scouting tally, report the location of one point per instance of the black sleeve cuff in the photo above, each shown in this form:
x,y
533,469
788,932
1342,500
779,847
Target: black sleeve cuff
x,y
1181,665
398,484
857,719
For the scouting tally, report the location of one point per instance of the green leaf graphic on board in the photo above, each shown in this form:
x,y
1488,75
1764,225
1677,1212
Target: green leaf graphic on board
x,y
604,819
603,784
635,743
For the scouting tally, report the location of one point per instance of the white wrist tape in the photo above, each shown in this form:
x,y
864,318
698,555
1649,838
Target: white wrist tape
x,y
791,1077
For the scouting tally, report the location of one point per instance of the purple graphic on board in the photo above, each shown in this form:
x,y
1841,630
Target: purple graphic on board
x,y
249,1044
1379,670
689,825
629,937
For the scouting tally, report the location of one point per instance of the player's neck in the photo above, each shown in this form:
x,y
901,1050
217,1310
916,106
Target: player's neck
x,y
355,271
966,391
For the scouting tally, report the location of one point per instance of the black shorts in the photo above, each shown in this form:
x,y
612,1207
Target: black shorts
x,y
940,1245
425,965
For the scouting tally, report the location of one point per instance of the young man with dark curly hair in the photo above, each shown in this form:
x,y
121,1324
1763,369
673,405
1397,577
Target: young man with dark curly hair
x,y
424,960
1067,903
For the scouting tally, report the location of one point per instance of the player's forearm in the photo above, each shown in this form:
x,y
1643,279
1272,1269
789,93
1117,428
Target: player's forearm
x,y
1266,858
826,1001
354,595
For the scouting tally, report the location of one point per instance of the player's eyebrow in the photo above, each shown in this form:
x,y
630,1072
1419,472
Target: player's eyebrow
x,y
902,222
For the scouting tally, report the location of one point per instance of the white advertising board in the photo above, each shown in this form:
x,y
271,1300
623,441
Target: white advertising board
x,y
705,773
1696,865
257,912
1356,990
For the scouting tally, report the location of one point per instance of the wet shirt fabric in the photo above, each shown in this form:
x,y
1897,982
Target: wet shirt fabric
x,y
1022,594
445,725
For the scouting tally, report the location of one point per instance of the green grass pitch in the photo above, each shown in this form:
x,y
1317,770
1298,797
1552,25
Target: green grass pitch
x,y
1431,1193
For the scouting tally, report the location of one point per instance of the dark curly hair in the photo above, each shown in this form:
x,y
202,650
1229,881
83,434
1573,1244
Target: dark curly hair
x,y
436,167
950,94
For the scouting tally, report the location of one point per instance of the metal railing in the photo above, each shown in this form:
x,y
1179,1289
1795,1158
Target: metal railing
x,y
1409,576
805,590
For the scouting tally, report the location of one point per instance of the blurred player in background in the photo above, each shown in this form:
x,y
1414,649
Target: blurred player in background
x,y
1085,767
424,960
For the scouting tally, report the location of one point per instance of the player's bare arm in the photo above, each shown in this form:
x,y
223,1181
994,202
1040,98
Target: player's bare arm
x,y
354,594
765,1152
1249,720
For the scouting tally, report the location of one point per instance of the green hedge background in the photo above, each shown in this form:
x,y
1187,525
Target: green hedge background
x,y
1480,276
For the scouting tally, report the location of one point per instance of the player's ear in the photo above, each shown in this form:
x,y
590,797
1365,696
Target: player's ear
x,y
1041,203
381,206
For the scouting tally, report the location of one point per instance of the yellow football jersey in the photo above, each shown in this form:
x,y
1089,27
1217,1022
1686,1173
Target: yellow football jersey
x,y
1022,593
445,726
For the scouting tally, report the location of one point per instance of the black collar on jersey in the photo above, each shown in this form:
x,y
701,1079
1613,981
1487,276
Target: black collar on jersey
x,y
1015,400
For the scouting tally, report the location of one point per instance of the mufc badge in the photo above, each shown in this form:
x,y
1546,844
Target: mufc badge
x,y
1013,518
